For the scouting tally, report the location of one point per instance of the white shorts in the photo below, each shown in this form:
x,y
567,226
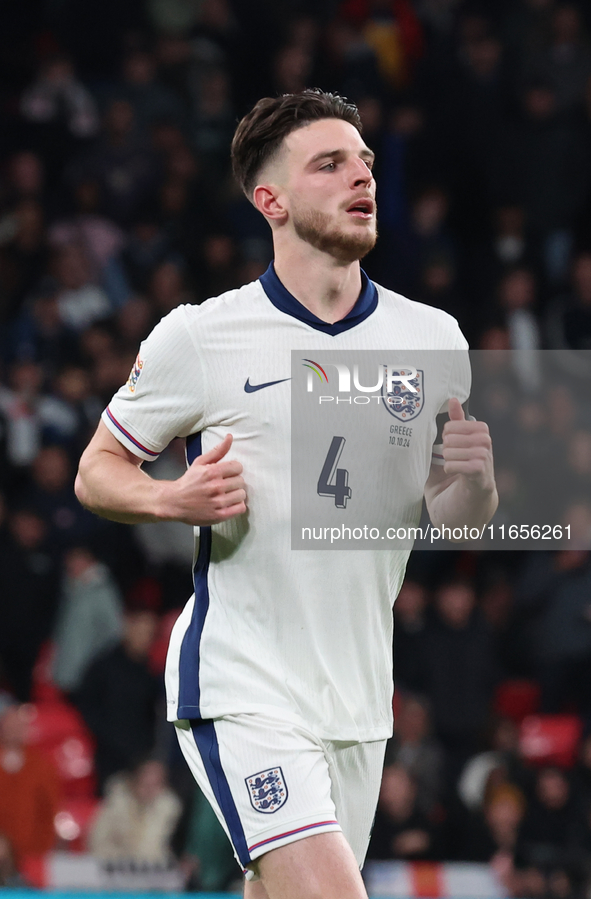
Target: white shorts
x,y
272,782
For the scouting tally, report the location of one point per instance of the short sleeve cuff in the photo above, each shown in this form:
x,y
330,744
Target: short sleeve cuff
x,y
127,439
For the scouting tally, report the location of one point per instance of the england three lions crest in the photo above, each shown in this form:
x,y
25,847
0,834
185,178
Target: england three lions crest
x,y
267,790
404,398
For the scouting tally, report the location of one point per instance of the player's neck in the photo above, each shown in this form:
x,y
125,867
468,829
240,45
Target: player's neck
x,y
329,290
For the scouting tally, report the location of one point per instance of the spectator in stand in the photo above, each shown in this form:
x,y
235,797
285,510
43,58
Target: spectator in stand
x,y
80,301
548,142
134,323
19,403
569,318
579,464
23,244
548,828
9,876
137,818
491,834
150,99
168,288
401,830
554,593
350,62
517,298
582,773
90,618
40,335
219,265
510,243
527,26
51,494
535,448
100,240
61,111
28,575
72,392
428,238
123,164
458,671
292,67
577,870
25,179
564,59
413,747
29,789
478,105
24,255
49,419
392,29
184,210
118,696
57,91
438,285
109,365
577,518
499,764
409,628
147,246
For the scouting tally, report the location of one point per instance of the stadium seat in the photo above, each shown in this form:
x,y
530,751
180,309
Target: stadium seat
x,y
57,729
517,698
43,688
74,760
51,722
550,739
73,822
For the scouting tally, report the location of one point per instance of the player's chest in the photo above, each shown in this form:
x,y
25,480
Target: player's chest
x,y
391,393
249,391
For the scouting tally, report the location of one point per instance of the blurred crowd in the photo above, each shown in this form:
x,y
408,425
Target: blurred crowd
x,y
117,204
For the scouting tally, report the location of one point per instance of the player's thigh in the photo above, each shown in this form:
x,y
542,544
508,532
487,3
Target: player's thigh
x,y
254,889
356,775
267,780
320,867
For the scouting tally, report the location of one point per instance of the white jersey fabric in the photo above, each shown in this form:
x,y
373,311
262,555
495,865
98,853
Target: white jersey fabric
x,y
308,633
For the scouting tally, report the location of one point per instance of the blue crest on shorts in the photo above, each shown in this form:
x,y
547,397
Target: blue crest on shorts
x,y
267,790
402,403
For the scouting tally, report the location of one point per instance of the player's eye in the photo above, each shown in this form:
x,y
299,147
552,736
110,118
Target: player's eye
x,y
329,167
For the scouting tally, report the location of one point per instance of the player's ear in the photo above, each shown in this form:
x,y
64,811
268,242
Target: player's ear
x,y
267,199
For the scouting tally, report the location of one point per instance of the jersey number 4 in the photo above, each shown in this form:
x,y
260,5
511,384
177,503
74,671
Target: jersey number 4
x,y
339,489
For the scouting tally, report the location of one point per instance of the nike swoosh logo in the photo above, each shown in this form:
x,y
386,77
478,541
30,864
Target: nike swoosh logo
x,y
251,388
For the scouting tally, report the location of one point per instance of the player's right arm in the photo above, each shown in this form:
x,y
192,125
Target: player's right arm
x,y
164,398
111,483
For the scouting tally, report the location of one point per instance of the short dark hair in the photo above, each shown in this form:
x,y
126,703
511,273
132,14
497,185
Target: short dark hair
x,y
262,131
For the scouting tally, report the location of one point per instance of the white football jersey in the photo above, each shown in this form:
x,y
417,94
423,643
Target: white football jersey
x,y
307,632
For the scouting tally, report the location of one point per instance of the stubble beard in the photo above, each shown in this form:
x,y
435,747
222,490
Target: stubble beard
x,y
314,227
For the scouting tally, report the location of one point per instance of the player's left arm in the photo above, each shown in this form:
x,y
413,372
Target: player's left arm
x,y
462,491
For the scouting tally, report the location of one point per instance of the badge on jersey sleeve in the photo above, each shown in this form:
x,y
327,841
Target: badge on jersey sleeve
x,y
134,374
267,790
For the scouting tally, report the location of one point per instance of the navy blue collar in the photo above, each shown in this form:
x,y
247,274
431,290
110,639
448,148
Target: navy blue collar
x,y
283,300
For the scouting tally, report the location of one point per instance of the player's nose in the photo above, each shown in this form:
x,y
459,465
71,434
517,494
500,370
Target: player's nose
x,y
359,172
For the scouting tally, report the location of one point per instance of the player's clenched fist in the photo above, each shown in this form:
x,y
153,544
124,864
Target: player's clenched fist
x,y
467,448
211,490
